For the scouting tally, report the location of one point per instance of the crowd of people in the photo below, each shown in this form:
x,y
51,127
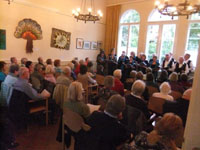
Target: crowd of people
x,y
65,87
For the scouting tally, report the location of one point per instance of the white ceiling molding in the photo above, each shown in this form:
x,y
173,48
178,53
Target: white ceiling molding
x,y
126,2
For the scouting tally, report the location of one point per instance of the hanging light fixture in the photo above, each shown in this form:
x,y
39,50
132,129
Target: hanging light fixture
x,y
181,9
81,13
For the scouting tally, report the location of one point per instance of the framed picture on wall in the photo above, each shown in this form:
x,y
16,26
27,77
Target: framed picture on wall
x,y
2,39
79,43
86,45
94,45
99,44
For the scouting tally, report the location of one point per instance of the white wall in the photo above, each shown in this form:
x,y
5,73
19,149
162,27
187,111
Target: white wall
x,y
145,7
49,14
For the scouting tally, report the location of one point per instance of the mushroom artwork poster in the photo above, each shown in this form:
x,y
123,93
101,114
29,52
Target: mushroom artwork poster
x,y
30,30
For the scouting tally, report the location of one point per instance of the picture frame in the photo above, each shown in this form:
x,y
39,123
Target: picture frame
x,y
2,39
99,44
94,45
79,43
86,45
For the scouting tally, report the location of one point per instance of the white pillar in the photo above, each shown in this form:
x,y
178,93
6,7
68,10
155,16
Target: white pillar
x,y
192,129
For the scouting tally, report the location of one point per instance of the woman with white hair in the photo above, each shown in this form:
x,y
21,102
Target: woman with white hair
x,y
49,74
118,85
75,100
165,89
135,98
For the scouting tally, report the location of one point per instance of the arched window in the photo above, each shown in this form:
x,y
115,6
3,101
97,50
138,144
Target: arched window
x,y
160,35
128,32
193,37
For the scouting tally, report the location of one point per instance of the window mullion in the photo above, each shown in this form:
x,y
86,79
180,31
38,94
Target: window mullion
x,y
128,40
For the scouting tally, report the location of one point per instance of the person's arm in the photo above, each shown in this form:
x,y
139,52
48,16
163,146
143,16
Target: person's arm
x,y
32,93
90,80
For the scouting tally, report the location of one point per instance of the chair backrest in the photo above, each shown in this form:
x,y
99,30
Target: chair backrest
x,y
175,95
100,79
84,80
72,120
60,94
152,90
156,105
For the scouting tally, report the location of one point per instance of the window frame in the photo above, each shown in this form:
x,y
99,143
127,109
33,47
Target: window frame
x,y
129,29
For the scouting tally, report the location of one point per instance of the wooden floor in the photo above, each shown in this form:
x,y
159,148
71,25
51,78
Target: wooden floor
x,y
39,137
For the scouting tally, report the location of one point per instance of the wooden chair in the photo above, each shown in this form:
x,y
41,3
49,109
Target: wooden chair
x,y
74,122
100,79
151,90
156,105
176,95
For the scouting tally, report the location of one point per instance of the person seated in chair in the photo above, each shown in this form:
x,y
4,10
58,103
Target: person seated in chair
x,y
135,98
154,65
180,66
168,63
165,89
2,71
118,85
173,81
164,136
106,133
150,81
23,85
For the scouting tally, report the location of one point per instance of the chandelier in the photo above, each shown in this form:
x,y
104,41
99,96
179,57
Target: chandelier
x,y
181,9
81,13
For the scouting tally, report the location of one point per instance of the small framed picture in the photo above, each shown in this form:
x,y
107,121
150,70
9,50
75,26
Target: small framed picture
x,y
79,43
86,45
99,44
94,45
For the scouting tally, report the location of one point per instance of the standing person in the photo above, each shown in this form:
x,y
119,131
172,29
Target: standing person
x,y
180,66
122,61
101,61
189,64
112,62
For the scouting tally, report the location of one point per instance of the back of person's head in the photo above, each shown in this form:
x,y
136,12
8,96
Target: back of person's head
x,y
117,73
49,61
133,74
139,75
71,65
150,77
163,76
184,77
138,87
57,62
109,81
90,64
83,69
115,105
75,91
170,127
81,62
49,69
14,68
2,64
67,71
173,77
24,60
187,94
165,88
28,64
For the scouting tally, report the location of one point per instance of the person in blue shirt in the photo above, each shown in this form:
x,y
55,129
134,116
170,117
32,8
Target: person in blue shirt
x,y
2,71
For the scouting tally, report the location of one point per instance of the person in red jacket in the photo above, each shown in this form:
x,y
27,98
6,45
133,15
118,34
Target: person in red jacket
x,y
118,85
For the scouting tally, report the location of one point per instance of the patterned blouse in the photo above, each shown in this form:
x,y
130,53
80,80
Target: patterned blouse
x,y
141,143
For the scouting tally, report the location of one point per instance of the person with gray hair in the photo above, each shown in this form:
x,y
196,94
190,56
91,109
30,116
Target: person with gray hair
x,y
135,98
23,85
165,89
75,100
23,62
118,85
173,81
106,133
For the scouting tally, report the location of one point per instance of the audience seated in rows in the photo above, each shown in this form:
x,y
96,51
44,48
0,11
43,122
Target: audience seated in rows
x,y
118,85
135,98
164,136
165,89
